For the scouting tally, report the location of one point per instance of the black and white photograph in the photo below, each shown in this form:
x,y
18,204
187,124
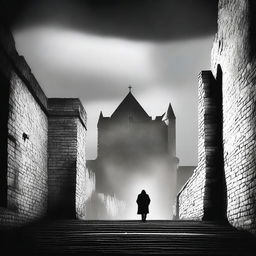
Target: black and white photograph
x,y
127,127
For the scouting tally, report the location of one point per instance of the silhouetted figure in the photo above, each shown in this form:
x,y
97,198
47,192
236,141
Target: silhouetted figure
x,y
143,202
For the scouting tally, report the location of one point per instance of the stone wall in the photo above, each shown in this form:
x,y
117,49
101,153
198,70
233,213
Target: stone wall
x,y
234,52
85,189
26,170
85,179
183,174
66,134
42,144
190,198
27,156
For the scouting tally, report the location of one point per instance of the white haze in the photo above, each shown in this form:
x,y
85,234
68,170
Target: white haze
x,y
98,70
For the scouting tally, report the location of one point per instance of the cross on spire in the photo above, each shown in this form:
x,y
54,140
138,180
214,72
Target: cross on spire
x,y
130,88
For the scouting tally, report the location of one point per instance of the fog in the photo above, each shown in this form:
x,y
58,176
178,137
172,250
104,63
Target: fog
x,y
94,49
154,177
133,155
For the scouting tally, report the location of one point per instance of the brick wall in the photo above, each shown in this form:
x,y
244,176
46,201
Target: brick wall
x,y
85,180
207,187
27,158
26,173
190,198
85,189
67,120
45,145
183,174
234,51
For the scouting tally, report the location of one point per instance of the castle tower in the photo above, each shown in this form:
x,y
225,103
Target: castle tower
x,y
171,122
100,126
173,160
137,152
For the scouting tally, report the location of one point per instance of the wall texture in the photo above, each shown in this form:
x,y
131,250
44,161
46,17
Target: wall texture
x,y
85,180
234,50
27,158
183,174
85,190
66,136
190,198
26,173
44,156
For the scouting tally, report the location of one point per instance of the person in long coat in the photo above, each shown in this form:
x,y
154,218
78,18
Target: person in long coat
x,y
143,202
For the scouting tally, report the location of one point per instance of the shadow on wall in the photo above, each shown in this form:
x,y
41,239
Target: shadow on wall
x,y
61,203
215,197
4,115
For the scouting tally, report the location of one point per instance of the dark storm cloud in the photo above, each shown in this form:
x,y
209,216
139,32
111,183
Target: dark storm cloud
x,y
88,86
95,49
141,19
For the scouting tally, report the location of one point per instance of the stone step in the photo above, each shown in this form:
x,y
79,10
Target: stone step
x,y
73,237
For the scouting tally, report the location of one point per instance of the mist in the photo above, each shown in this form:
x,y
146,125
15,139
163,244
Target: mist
x,y
94,50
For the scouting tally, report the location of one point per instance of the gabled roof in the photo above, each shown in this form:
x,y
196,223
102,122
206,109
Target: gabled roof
x,y
130,106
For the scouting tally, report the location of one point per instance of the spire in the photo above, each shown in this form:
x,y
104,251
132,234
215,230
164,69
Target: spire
x,y
101,117
100,120
170,113
130,88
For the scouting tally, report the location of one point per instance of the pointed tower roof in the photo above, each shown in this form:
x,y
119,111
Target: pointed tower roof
x,y
130,106
102,119
101,115
170,113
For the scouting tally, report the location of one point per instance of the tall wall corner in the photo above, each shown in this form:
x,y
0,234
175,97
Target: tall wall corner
x,y
234,65
24,129
66,154
190,199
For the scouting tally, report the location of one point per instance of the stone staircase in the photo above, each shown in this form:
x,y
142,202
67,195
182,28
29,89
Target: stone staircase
x,y
74,237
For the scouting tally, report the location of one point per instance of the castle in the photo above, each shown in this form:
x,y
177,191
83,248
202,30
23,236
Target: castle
x,y
42,140
137,152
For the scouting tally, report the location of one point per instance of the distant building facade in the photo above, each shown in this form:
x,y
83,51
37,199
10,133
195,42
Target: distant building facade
x,y
136,152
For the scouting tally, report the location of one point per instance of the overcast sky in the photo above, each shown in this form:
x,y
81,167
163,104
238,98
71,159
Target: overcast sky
x,y
95,49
